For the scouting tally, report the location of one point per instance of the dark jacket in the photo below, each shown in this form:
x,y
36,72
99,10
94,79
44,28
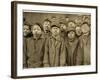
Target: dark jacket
x,y
74,52
86,45
24,50
24,53
55,54
34,50
46,34
63,34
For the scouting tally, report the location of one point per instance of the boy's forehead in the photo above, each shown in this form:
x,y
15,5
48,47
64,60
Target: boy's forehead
x,y
35,26
26,26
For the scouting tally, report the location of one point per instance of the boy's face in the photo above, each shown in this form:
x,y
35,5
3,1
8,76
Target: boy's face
x,y
46,25
53,19
26,30
55,31
78,31
85,28
71,35
36,29
63,27
71,24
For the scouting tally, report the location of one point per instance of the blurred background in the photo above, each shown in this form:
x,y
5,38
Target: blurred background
x,y
33,17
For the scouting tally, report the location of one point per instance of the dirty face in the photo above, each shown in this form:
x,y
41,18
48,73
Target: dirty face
x,y
36,30
71,35
85,28
55,31
26,30
71,24
78,31
63,27
46,25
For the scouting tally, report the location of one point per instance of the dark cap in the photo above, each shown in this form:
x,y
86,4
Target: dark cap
x,y
54,26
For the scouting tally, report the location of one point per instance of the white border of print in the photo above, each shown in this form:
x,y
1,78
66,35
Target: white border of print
x,y
56,70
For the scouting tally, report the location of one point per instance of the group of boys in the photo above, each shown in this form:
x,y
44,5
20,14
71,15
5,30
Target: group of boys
x,y
53,45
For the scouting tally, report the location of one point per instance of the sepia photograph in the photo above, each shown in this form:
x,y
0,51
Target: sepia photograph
x,y
53,39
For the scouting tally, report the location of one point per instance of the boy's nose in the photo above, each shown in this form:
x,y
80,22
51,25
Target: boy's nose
x,y
36,31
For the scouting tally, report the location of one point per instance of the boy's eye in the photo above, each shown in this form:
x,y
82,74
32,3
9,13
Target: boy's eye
x,y
37,29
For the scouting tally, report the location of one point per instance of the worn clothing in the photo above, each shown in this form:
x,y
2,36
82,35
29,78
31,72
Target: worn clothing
x,y
24,53
74,56
86,45
63,34
55,54
46,34
24,50
35,52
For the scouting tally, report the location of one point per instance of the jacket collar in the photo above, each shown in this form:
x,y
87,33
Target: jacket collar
x,y
58,38
41,37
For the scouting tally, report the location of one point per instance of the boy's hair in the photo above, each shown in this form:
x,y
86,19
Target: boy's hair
x,y
47,20
38,25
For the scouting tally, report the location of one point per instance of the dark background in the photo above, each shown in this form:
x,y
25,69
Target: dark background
x,y
33,17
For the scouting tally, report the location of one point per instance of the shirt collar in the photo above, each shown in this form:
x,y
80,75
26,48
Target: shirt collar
x,y
41,37
56,38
